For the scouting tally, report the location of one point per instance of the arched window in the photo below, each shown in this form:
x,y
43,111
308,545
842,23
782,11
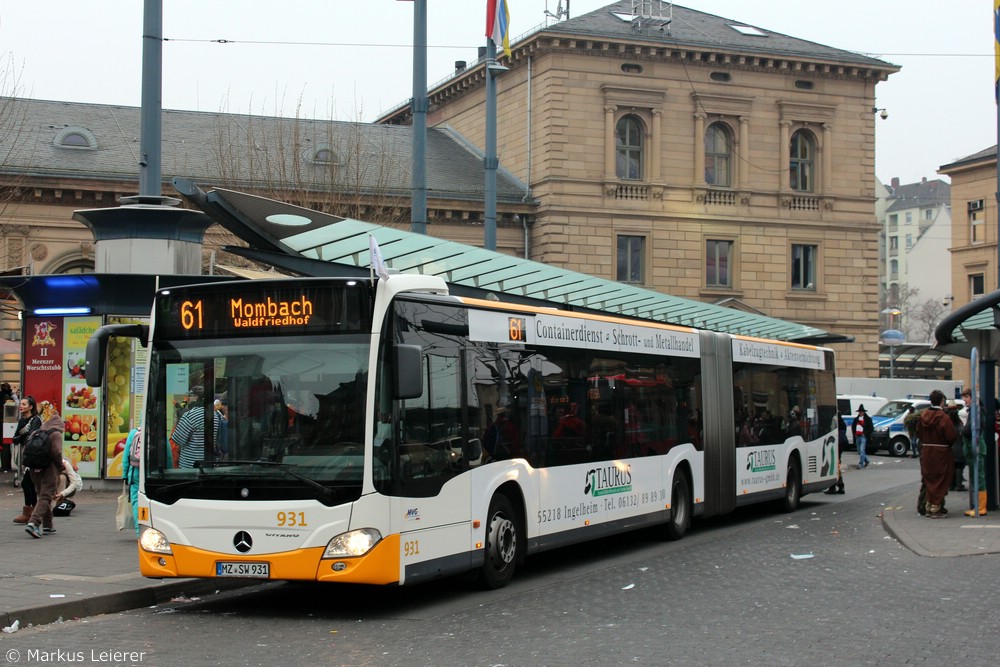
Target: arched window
x,y
73,265
75,137
628,146
323,155
801,166
718,155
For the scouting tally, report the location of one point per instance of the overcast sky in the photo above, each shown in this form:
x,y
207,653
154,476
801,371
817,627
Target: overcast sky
x,y
352,60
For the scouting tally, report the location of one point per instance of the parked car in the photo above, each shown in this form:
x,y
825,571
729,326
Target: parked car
x,y
890,433
847,406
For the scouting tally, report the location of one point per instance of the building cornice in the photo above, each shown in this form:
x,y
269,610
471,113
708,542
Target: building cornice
x,y
549,43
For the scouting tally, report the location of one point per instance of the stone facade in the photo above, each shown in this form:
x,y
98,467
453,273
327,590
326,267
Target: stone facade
x,y
558,108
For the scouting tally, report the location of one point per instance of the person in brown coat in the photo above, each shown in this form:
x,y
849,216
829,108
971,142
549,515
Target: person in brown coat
x,y
936,432
46,480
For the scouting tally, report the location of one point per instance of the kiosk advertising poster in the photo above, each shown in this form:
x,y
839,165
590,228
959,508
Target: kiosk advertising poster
x,y
125,388
55,362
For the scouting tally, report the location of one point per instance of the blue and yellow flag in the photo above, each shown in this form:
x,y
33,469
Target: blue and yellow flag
x,y
498,24
996,48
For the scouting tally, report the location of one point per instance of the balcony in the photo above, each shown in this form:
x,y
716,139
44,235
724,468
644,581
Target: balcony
x,y
629,192
800,203
720,198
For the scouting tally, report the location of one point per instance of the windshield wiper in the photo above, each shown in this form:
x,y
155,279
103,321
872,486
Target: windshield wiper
x,y
179,485
327,494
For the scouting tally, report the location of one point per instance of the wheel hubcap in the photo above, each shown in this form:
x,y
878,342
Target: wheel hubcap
x,y
502,541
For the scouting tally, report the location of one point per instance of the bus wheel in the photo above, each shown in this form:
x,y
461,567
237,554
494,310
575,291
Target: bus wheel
x,y
680,507
793,487
502,546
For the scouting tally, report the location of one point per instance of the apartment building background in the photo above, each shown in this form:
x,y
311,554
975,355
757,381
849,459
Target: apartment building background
x,y
915,256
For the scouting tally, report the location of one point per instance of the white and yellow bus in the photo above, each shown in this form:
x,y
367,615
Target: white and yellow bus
x,y
385,432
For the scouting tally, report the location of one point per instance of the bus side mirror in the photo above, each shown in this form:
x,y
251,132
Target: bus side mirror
x,y
408,375
97,348
97,359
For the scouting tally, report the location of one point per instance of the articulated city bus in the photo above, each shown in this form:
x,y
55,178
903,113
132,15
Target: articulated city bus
x,y
384,432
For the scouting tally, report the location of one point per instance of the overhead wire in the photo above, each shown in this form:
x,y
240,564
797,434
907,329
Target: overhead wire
x,y
261,42
265,42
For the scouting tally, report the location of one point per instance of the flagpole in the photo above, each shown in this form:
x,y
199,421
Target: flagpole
x,y
490,161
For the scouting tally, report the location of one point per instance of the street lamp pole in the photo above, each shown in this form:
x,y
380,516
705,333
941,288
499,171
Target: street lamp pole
x,y
491,162
418,177
892,337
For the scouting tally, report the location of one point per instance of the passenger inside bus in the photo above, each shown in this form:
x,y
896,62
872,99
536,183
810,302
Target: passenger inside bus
x,y
189,434
501,440
794,426
604,429
570,425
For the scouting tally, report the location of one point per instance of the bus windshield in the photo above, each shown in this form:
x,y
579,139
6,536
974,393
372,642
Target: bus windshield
x,y
257,418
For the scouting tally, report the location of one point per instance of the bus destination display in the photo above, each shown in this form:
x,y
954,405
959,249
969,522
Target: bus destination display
x,y
203,313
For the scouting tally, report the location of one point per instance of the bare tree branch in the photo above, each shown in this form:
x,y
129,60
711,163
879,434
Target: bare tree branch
x,y
924,319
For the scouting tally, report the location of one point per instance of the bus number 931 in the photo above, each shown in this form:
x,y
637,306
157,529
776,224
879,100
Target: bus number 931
x,y
290,519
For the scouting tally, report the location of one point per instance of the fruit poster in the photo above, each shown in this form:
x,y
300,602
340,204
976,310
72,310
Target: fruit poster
x,y
54,368
81,404
126,385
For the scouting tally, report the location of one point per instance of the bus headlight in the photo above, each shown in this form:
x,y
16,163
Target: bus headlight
x,y
353,543
154,541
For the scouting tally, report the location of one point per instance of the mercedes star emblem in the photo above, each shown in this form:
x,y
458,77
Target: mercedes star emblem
x,y
242,541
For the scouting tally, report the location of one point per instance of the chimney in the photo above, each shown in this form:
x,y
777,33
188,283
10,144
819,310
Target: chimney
x,y
482,52
895,183
459,66
923,179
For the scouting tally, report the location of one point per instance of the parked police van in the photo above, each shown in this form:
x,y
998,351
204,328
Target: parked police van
x,y
890,432
847,406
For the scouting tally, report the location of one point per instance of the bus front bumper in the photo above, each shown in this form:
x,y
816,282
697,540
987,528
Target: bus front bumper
x,y
379,566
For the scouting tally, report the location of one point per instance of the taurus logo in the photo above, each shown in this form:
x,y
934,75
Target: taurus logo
x,y
242,541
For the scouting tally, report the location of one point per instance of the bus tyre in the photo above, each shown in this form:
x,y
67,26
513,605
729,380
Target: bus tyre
x,y
502,543
680,507
898,446
793,486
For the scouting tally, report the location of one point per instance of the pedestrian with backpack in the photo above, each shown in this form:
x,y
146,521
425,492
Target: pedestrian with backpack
x,y
28,422
44,471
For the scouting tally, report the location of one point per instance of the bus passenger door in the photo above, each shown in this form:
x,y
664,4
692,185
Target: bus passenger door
x,y
432,509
